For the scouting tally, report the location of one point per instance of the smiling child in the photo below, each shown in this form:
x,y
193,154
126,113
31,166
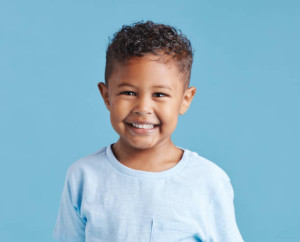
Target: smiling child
x,y
144,187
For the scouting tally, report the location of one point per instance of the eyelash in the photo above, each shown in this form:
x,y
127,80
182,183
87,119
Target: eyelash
x,y
157,94
129,93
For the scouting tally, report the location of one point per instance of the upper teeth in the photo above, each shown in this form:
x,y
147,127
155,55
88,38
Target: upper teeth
x,y
143,126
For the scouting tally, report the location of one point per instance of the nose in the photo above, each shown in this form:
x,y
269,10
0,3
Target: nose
x,y
143,106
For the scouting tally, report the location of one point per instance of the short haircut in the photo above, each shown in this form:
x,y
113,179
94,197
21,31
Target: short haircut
x,y
142,38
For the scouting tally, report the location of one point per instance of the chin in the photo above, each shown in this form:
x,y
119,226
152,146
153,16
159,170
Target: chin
x,y
141,145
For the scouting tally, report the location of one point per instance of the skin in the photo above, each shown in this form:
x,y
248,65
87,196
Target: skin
x,y
146,91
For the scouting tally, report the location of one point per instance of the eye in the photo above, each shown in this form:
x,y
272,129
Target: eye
x,y
128,93
159,94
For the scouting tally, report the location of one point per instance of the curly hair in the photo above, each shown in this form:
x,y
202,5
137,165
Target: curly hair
x,y
142,38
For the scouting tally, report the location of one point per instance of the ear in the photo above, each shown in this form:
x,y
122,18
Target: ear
x,y
187,99
104,93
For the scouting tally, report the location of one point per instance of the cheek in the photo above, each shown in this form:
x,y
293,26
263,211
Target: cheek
x,y
116,120
169,113
118,110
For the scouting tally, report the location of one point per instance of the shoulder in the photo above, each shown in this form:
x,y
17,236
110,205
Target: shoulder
x,y
206,166
86,165
206,172
82,175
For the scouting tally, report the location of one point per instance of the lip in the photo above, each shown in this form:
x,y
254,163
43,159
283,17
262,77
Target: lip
x,y
142,122
142,131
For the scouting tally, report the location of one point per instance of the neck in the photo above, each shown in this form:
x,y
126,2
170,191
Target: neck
x,y
158,158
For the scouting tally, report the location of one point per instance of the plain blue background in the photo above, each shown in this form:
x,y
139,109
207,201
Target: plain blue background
x,y
245,116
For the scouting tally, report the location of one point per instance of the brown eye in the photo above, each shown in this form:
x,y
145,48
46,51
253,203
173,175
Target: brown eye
x,y
128,93
159,94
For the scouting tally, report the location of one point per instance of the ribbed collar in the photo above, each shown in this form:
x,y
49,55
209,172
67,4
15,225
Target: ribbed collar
x,y
147,174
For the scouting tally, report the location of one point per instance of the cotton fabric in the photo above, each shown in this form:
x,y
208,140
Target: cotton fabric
x,y
104,200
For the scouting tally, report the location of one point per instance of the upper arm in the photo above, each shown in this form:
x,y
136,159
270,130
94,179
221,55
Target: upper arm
x,y
222,221
70,225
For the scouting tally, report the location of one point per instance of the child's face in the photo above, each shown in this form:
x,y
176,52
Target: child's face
x,y
144,98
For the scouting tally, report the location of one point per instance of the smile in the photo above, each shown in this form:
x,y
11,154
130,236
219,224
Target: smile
x,y
142,126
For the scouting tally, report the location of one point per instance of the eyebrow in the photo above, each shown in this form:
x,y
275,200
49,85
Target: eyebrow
x,y
130,85
125,84
163,87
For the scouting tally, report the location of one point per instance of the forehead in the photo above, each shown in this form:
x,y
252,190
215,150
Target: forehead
x,y
146,71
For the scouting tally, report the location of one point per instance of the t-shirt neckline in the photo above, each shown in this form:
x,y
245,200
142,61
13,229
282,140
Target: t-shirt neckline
x,y
146,174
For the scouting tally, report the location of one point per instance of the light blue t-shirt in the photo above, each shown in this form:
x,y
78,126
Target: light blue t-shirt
x,y
104,200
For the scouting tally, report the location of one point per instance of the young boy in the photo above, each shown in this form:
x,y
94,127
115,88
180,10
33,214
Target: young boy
x,y
143,187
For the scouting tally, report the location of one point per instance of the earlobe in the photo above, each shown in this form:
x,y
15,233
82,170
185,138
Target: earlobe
x,y
187,99
104,93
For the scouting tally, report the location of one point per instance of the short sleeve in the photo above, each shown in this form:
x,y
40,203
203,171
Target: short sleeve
x,y
70,226
223,227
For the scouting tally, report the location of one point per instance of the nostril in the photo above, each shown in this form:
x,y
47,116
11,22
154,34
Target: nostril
x,y
142,112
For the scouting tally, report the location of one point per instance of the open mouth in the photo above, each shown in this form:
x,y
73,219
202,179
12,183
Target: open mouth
x,y
147,126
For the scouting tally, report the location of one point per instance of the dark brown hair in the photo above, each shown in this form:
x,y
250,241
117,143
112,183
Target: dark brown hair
x,y
142,38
